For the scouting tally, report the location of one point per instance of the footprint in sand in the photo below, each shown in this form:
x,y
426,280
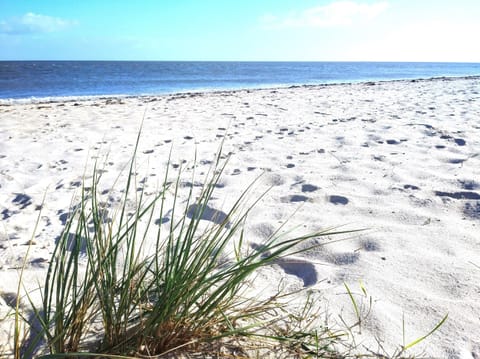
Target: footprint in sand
x,y
338,200
370,245
309,188
10,299
294,198
300,268
6,213
63,217
22,200
469,185
162,220
458,141
208,214
74,242
472,210
75,184
459,195
456,161
39,262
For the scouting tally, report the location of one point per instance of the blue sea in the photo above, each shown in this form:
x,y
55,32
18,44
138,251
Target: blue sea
x,y
66,79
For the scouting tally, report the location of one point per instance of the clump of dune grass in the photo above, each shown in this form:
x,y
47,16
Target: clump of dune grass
x,y
189,293
122,283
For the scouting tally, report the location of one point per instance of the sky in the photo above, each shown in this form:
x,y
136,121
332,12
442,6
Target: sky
x,y
241,30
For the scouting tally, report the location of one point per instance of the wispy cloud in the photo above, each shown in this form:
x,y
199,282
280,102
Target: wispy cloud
x,y
32,23
335,14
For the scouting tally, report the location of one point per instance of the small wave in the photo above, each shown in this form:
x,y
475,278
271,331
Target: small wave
x,y
55,99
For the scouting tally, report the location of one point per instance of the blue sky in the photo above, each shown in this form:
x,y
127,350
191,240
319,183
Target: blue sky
x,y
278,30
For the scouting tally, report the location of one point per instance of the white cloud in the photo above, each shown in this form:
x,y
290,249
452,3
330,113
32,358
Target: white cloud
x,y
431,40
31,23
335,14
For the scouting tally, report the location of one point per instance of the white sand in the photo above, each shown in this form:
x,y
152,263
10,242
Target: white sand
x,y
400,158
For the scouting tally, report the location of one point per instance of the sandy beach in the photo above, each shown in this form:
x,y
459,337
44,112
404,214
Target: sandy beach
x,y
400,159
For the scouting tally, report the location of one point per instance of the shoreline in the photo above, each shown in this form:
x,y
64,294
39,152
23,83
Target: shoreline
x,y
400,158
202,92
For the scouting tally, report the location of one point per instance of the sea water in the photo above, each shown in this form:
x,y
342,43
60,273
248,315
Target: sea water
x,y
54,79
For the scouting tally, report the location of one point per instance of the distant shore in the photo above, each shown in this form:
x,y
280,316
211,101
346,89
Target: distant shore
x,y
399,157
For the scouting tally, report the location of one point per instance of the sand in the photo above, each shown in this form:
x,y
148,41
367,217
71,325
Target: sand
x,y
399,158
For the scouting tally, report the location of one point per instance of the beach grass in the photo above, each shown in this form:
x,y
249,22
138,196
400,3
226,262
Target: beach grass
x,y
190,292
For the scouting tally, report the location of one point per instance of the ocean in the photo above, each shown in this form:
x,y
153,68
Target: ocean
x,y
43,80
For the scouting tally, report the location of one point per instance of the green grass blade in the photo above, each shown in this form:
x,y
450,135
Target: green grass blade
x,y
415,342
354,302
